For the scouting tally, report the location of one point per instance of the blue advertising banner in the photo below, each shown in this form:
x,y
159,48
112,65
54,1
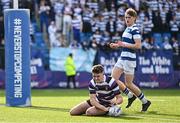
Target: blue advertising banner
x,y
17,57
155,69
38,74
82,59
155,62
57,79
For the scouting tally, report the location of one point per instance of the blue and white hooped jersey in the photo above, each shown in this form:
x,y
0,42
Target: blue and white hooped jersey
x,y
129,36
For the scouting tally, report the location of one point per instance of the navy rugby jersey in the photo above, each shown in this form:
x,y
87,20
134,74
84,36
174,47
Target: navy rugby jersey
x,y
128,36
104,91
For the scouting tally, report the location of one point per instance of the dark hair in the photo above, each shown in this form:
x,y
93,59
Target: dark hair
x,y
70,54
131,12
97,69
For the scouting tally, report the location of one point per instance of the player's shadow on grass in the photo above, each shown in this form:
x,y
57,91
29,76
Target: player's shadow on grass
x,y
49,108
1,104
161,114
128,117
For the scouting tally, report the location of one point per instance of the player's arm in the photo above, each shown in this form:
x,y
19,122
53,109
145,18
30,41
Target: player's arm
x,y
95,103
118,44
117,100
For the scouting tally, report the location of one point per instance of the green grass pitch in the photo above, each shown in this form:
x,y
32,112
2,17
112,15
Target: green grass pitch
x,y
52,106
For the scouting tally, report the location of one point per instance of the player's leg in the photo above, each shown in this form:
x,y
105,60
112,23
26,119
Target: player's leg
x,y
116,73
93,111
145,103
80,108
129,83
129,77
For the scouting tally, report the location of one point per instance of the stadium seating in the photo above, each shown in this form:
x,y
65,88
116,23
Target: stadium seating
x,y
35,27
158,39
166,35
39,41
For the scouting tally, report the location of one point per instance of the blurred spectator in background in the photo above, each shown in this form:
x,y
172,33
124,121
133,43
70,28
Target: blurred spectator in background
x,y
70,69
111,26
44,15
53,35
176,53
120,25
174,27
86,31
116,37
153,44
58,8
75,45
98,36
94,44
101,5
157,21
147,27
76,26
5,4
146,44
67,23
166,44
29,4
105,37
176,46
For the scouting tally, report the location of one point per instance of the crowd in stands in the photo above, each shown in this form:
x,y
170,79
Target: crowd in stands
x,y
93,23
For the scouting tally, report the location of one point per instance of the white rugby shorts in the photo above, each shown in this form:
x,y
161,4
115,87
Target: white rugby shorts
x,y
126,65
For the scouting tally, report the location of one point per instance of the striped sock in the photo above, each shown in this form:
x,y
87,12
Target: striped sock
x,y
128,93
142,98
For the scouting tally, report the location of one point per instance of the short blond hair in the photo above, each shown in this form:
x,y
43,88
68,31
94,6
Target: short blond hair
x,y
131,12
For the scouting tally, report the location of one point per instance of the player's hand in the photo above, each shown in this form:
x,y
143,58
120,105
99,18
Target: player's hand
x,y
107,108
107,46
113,45
121,44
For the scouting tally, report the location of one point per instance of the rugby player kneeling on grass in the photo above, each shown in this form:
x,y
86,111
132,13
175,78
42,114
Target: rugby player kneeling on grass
x,y
104,93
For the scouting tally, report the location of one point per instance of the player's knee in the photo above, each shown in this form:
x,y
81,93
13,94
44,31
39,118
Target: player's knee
x,y
121,101
72,112
128,84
